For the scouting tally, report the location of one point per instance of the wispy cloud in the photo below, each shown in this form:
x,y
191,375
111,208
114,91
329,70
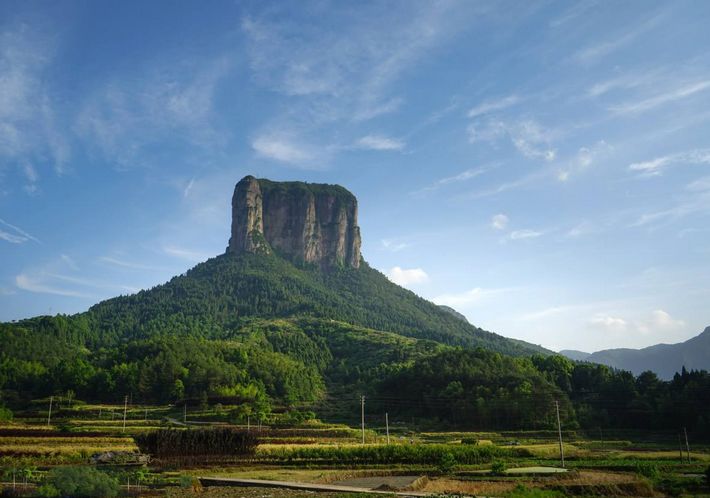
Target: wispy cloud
x,y
524,234
28,132
465,175
597,51
186,254
379,142
128,264
125,118
490,106
583,159
60,276
16,235
658,165
530,138
668,96
394,245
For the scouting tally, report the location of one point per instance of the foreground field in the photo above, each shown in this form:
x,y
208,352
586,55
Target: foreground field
x,y
460,463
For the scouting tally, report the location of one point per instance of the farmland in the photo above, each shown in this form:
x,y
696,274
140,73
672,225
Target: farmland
x,y
515,463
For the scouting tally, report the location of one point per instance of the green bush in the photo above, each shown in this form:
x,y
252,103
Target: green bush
x,y
498,468
5,414
469,440
648,470
48,491
81,482
447,462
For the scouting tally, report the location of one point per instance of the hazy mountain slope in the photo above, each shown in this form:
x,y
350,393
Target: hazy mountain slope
x,y
664,359
575,355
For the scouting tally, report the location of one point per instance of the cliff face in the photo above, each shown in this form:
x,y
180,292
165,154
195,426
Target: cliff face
x,y
307,223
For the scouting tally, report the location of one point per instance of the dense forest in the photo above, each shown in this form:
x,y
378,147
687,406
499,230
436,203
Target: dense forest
x,y
260,333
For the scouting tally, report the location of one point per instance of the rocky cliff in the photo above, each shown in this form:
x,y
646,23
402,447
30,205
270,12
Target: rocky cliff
x,y
304,222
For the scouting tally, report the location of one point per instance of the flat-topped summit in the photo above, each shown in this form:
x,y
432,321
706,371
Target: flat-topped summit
x,y
304,222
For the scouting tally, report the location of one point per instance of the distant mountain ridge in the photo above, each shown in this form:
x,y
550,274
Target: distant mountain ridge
x,y
663,359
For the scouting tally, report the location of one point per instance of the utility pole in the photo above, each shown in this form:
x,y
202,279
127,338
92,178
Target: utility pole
x,y
362,417
49,415
146,415
680,449
387,426
125,409
184,413
687,446
248,423
559,432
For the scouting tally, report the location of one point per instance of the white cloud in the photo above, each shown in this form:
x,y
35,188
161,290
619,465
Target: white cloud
x,y
656,166
609,323
490,106
524,234
281,149
405,277
379,142
466,298
656,322
499,221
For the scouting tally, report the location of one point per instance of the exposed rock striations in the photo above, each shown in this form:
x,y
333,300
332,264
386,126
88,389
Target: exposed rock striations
x,y
304,222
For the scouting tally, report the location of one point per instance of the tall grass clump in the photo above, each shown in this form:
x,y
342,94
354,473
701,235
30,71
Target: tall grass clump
x,y
177,444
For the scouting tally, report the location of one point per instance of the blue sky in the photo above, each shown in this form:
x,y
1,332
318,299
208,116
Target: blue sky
x,y
543,167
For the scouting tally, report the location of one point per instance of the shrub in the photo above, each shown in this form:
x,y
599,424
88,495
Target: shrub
x,y
648,470
447,462
469,440
81,482
498,468
5,414
48,491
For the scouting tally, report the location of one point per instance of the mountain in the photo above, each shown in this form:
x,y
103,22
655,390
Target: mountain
x,y
289,310
575,355
663,359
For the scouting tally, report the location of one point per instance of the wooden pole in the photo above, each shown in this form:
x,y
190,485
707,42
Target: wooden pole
x,y
387,426
687,446
362,417
559,432
49,415
125,410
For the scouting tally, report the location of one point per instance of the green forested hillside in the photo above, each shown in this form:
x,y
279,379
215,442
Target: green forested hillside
x,y
256,332
213,298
